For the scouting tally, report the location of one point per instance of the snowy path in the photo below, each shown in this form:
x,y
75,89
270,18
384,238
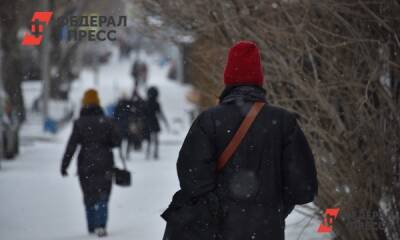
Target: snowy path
x,y
38,204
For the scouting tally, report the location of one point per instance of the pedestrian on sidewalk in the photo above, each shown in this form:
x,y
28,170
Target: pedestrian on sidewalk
x,y
96,135
241,185
139,73
137,125
123,114
154,114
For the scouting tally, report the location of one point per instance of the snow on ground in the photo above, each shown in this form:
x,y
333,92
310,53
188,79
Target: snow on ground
x,y
38,204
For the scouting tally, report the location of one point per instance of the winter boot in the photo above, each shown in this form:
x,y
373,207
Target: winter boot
x,y
101,232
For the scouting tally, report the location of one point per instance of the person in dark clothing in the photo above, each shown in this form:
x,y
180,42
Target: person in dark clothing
x,y
123,115
139,73
138,123
271,171
154,114
96,135
130,116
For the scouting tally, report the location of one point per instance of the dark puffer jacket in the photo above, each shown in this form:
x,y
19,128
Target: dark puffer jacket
x,y
271,171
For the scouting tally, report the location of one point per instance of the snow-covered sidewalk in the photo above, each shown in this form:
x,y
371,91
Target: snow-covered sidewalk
x,y
38,204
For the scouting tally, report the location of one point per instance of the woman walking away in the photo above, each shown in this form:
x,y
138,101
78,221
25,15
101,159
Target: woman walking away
x,y
244,164
96,135
154,113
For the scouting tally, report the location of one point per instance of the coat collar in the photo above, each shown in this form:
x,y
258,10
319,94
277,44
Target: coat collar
x,y
91,111
242,93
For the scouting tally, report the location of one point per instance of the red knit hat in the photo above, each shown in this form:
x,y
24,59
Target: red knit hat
x,y
244,65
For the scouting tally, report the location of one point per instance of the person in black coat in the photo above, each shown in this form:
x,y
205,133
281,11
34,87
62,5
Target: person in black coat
x,y
123,115
271,171
138,121
96,135
154,114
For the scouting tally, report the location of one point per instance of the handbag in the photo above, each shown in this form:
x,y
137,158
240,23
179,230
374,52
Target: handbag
x,y
198,219
122,177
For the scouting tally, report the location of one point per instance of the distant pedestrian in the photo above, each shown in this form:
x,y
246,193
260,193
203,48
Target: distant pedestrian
x,y
137,125
96,135
130,115
173,71
139,73
154,114
244,164
123,115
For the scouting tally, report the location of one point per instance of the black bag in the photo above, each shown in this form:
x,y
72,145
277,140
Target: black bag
x,y
122,177
195,220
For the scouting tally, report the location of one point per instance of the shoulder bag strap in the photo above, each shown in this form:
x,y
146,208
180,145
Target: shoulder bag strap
x,y
239,135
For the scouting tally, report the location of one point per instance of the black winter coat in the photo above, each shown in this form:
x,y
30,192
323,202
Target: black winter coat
x,y
96,135
153,113
123,114
271,171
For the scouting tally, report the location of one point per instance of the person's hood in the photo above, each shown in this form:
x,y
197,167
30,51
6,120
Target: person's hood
x,y
242,93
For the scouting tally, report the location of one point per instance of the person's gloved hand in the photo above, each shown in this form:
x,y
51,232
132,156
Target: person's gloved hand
x,y
64,172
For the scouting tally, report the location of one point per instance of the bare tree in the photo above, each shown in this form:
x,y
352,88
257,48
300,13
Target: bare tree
x,y
334,62
12,75
63,52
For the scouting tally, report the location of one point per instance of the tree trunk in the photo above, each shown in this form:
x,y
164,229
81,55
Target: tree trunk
x,y
12,72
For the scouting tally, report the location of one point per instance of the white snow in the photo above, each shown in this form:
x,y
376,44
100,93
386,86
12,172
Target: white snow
x,y
38,204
